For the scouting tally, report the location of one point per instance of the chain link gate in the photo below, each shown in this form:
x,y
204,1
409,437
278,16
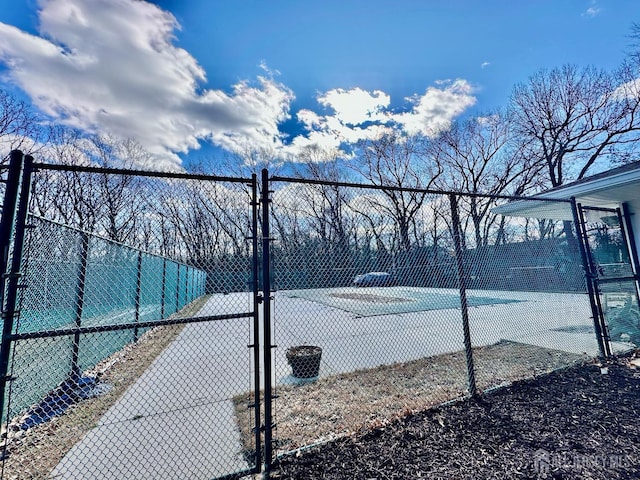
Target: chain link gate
x,y
131,335
612,264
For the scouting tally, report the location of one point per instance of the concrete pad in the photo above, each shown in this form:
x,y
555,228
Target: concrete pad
x,y
177,420
351,341
197,442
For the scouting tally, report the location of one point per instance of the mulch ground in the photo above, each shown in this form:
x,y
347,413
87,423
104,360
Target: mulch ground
x,y
576,423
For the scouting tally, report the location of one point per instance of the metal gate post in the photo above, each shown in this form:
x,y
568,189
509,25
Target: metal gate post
x,y
266,309
464,305
578,221
14,218
255,287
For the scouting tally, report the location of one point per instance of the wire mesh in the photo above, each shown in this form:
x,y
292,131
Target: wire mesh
x,y
127,360
545,322
613,274
371,278
136,351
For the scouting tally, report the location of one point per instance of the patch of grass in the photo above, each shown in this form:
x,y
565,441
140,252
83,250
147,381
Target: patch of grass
x,y
32,454
347,403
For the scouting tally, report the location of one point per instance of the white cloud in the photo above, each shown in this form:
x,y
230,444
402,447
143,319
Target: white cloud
x,y
358,115
110,66
435,110
350,110
627,91
485,64
592,12
356,106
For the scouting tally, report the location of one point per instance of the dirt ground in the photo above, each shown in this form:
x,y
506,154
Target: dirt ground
x,y
577,423
347,403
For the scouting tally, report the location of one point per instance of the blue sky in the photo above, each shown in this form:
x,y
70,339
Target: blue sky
x,y
200,77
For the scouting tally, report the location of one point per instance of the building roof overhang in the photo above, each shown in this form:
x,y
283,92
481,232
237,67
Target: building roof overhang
x,y
605,190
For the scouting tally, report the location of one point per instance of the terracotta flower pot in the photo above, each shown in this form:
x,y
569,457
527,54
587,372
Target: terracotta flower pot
x,y
304,360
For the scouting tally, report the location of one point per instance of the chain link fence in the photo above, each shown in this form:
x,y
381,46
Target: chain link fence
x,y
77,280
132,329
157,334
391,301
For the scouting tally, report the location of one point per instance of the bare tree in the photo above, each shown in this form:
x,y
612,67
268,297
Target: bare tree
x,y
243,163
634,54
399,162
477,157
200,236
19,125
569,118
69,197
326,203
121,200
113,205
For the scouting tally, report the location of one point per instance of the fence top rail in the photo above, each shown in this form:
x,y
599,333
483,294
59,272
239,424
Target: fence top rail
x,y
142,173
112,242
599,209
277,178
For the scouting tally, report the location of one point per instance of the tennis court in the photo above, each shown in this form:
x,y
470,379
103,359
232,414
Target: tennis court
x,y
367,327
357,328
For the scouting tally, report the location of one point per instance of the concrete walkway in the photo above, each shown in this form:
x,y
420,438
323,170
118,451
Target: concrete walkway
x,y
177,421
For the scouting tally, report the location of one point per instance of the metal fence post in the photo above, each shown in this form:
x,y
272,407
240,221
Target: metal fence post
x,y
138,293
266,309
80,288
178,289
186,285
164,285
14,219
464,306
9,205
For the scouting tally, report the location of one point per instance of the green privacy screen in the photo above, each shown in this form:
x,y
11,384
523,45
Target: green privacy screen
x,y
81,280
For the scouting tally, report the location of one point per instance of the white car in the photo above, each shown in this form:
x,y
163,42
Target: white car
x,y
375,279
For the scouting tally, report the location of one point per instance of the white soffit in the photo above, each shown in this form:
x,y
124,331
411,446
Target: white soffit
x,y
607,191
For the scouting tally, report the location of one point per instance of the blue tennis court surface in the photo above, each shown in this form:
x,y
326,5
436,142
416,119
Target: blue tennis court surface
x,y
389,300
